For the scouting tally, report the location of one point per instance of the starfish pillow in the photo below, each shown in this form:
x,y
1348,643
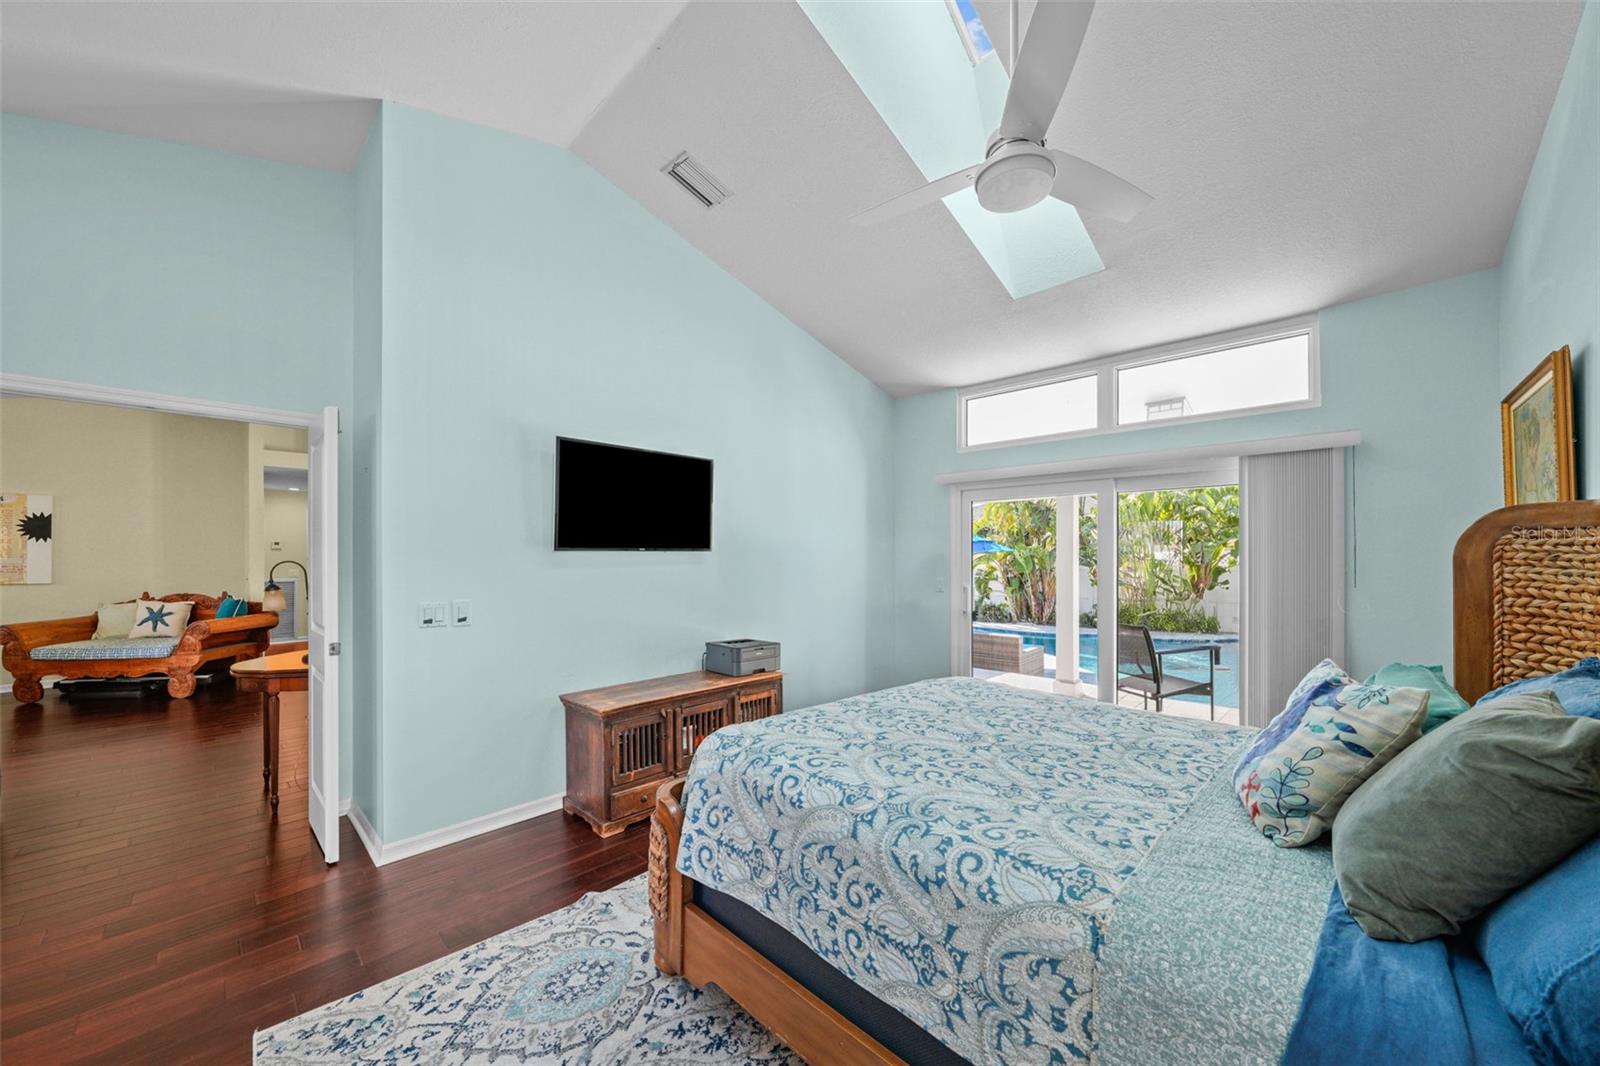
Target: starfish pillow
x,y
157,618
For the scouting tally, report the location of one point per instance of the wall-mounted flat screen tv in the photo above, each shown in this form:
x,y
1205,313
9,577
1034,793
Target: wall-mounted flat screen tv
x,y
611,498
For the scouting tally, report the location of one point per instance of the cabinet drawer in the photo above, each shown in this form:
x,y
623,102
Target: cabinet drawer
x,y
630,801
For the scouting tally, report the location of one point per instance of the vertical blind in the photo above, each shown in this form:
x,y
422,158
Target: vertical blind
x,y
1293,563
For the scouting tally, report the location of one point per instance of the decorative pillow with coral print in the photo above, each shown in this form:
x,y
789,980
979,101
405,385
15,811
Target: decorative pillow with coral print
x,y
1333,734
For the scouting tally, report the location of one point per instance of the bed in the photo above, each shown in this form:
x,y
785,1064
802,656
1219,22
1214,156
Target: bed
x,y
957,871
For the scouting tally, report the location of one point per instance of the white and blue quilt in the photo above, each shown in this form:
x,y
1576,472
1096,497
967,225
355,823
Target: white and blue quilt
x,y
979,857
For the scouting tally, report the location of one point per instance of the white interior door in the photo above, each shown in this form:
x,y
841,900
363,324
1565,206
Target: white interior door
x,y
322,614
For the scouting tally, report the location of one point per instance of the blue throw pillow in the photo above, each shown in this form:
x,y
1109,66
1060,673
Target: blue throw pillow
x,y
1578,688
1542,945
232,608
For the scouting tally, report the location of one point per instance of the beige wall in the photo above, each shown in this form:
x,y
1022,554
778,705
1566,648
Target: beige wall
x,y
267,446
285,521
143,502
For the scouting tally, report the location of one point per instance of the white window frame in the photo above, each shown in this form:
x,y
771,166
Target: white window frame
x,y
1032,381
1106,370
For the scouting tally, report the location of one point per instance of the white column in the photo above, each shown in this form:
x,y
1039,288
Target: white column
x,y
1067,681
1106,568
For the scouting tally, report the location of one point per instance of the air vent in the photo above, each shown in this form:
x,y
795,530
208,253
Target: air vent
x,y
687,171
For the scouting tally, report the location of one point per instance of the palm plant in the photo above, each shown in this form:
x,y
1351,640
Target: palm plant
x,y
1174,546
1027,573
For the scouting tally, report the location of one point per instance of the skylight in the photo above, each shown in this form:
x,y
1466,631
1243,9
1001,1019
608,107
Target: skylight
x,y
941,102
976,38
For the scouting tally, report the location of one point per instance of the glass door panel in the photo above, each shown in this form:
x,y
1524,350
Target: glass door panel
x,y
1033,599
1177,590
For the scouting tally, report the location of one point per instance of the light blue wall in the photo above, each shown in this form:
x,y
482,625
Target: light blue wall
x,y
526,297
366,639
1550,275
468,295
1414,371
147,265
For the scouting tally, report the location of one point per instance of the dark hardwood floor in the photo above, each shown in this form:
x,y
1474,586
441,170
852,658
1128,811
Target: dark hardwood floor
x,y
152,908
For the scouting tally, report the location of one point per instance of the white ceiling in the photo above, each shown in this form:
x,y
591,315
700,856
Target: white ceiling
x,y
298,81
1301,154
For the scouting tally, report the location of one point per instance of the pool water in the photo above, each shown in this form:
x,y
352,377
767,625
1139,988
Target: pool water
x,y
1190,665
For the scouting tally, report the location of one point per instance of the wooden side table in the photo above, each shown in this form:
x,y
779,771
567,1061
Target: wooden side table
x,y
271,675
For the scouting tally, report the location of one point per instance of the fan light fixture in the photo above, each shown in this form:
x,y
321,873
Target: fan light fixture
x,y
1019,171
1015,182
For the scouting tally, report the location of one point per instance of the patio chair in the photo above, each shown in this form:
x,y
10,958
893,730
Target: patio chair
x,y
1006,653
1141,668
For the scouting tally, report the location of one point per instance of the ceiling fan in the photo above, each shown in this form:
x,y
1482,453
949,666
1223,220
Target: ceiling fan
x,y
1018,171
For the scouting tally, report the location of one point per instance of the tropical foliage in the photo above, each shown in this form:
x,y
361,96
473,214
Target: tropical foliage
x,y
1025,575
1175,545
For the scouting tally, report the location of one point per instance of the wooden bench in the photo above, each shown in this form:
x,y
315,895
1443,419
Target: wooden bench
x,y
206,639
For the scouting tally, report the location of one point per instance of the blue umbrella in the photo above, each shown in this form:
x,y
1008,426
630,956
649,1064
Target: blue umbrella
x,y
984,544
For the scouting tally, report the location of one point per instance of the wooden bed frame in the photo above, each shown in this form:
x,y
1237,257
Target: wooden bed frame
x,y
1527,602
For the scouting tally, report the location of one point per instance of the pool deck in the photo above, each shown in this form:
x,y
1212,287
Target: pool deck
x,y
1178,708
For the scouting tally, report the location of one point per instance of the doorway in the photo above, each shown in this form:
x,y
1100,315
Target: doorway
x,y
1124,588
321,562
1178,596
1031,595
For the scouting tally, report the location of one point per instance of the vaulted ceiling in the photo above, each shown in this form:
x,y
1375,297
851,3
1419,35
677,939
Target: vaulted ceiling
x,y
1300,154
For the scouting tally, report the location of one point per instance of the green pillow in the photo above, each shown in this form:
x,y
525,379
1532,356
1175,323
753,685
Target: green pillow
x,y
1444,702
1466,815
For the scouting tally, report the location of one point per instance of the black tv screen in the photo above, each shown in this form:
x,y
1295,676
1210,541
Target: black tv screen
x,y
610,498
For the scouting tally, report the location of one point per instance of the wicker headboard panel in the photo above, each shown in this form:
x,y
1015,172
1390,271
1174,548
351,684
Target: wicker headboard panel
x,y
1527,596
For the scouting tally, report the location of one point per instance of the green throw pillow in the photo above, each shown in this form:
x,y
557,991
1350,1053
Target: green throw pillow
x,y
1444,702
1466,815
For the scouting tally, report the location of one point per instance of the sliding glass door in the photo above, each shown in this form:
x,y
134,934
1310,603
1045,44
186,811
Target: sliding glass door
x,y
1121,589
1178,595
1033,596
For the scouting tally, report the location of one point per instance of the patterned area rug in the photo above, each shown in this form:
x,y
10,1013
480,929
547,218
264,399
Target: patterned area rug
x,y
576,986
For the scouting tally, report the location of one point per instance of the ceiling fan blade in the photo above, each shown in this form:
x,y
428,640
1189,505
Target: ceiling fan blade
x,y
932,192
1045,62
1091,188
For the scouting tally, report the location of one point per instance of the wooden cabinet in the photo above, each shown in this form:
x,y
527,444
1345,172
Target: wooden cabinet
x,y
623,741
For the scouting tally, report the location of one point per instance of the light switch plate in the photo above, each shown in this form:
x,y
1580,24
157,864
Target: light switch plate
x,y
461,613
432,615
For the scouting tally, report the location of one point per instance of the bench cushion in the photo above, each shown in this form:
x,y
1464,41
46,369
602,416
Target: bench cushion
x,y
108,648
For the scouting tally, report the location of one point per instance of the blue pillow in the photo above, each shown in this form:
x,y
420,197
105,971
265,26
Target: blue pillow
x,y
1578,688
1542,945
232,608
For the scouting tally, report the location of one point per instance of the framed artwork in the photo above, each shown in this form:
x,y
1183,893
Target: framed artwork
x,y
1536,434
25,541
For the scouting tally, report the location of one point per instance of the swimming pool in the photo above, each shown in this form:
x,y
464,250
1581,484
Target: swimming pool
x,y
1190,665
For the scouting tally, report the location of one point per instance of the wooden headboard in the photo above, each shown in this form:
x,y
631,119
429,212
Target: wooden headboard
x,y
1527,593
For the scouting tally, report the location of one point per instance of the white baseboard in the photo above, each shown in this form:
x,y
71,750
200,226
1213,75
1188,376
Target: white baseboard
x,y
382,852
5,690
368,835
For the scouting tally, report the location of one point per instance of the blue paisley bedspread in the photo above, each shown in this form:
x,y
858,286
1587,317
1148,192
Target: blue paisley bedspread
x,y
964,851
